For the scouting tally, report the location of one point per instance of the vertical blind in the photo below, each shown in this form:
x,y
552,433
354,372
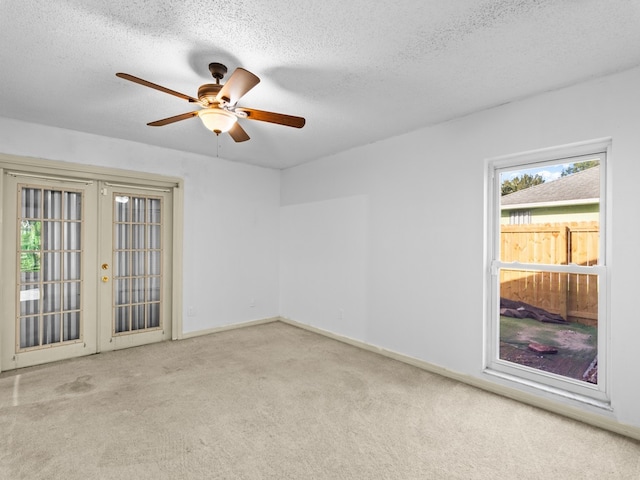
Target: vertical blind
x,y
50,273
137,263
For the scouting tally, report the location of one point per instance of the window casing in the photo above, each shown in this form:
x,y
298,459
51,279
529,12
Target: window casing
x,y
565,274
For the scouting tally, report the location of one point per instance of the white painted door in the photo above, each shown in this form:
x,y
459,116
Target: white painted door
x,y
49,276
86,267
135,265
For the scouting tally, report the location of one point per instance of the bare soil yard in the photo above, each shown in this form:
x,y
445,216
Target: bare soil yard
x,y
576,345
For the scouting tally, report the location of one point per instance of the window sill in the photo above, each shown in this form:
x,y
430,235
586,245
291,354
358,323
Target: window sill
x,y
517,381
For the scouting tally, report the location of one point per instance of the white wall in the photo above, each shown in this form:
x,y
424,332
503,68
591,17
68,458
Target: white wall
x,y
393,232
231,214
383,243
330,287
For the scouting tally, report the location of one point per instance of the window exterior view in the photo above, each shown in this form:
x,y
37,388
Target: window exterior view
x,y
548,273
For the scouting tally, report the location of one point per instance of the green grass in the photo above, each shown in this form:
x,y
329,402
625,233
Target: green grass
x,y
522,331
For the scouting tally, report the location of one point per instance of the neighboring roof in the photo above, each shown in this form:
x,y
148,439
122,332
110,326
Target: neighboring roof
x,y
583,185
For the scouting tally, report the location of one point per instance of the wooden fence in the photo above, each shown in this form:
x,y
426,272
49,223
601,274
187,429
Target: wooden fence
x,y
573,296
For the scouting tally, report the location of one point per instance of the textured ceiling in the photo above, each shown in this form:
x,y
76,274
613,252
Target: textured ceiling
x,y
359,70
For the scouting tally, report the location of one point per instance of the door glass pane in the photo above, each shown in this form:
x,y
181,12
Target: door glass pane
x,y
72,206
30,299
52,204
51,235
137,290
72,261
154,210
154,237
29,332
31,204
72,239
137,262
121,319
50,329
71,296
31,247
121,235
71,326
51,297
153,292
51,266
122,289
121,264
30,235
153,314
154,262
137,210
30,267
137,317
50,253
121,208
137,240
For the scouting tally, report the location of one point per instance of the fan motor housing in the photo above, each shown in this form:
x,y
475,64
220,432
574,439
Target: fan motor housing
x,y
208,92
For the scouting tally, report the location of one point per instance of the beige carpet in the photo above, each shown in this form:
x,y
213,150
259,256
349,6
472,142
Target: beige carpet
x,y
274,401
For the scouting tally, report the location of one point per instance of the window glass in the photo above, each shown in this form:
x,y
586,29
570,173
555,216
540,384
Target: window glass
x,y
546,321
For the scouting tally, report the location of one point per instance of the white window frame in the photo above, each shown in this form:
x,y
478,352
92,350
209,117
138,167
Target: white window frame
x,y
528,378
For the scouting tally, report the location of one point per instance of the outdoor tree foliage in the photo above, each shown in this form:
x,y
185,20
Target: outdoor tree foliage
x,y
520,183
579,166
30,242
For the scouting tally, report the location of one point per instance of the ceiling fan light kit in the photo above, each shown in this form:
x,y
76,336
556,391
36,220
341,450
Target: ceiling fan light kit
x,y
217,120
219,112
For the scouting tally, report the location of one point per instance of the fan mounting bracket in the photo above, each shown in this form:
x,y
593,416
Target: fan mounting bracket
x,y
218,71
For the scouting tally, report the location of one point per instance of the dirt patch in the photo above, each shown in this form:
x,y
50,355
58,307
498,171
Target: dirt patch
x,y
572,340
576,346
553,363
565,339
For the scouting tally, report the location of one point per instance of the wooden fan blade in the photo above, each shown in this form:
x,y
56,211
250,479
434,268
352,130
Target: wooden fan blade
x,y
238,133
279,118
176,118
238,84
140,81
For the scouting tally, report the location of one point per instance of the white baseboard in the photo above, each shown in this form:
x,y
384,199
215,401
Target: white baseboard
x,y
233,326
565,410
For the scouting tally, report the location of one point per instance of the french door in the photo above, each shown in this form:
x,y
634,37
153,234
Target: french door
x,y
49,235
86,267
135,286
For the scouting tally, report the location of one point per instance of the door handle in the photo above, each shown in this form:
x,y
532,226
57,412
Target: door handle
x,y
105,266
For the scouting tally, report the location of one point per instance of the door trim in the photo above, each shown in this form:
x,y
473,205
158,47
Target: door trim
x,y
29,166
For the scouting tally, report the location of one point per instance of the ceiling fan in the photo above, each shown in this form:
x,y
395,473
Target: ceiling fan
x,y
219,112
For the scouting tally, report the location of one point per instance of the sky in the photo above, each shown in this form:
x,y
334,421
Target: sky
x,y
547,172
